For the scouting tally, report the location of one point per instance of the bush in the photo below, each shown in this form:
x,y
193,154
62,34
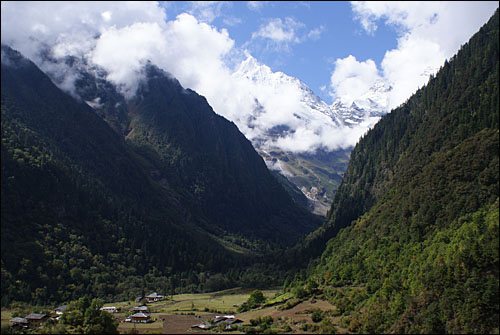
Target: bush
x,y
290,304
327,327
299,292
317,315
255,300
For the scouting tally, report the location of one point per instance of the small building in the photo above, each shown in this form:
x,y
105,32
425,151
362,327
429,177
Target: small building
x,y
143,309
139,299
201,326
228,320
140,317
110,309
35,320
19,322
153,297
219,318
60,310
230,323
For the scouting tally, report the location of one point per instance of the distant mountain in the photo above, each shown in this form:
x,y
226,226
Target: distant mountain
x,y
317,174
372,103
128,195
412,235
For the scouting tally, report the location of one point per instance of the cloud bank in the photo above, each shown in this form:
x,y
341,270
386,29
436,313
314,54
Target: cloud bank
x,y
121,37
429,33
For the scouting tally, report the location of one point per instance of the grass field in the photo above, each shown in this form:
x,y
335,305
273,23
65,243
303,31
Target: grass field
x,y
6,316
226,302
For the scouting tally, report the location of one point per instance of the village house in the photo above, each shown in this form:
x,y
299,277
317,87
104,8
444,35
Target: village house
x,y
229,320
19,322
153,297
231,323
139,318
35,320
201,326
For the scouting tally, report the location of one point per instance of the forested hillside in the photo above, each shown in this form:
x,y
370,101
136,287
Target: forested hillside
x,y
186,147
416,217
86,211
79,215
206,156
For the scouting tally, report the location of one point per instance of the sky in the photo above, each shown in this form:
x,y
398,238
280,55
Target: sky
x,y
339,49
301,39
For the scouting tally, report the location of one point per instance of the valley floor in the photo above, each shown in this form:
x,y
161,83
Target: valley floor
x,y
182,312
179,313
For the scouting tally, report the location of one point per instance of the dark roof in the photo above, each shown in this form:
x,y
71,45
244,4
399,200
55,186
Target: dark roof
x,y
19,320
61,308
233,320
35,316
218,319
201,326
229,319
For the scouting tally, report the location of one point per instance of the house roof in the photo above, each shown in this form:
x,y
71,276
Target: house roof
x,y
139,315
201,326
35,316
154,295
233,320
19,320
140,308
220,318
61,308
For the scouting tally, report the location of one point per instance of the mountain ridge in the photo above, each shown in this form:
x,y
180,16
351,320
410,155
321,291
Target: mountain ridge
x,y
414,225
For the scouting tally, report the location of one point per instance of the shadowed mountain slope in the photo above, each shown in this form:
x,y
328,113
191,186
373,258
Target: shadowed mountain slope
x,y
86,211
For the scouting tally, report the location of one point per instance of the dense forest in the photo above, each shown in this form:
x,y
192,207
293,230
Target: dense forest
x,y
89,209
416,218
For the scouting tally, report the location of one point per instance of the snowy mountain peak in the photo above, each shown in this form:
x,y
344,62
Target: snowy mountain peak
x,y
372,103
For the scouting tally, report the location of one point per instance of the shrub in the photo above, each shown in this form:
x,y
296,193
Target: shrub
x,y
317,315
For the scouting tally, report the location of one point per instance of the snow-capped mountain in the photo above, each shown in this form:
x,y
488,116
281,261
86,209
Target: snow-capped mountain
x,y
317,173
261,74
372,104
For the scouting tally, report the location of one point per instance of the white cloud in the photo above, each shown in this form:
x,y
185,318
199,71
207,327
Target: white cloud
x,y
351,78
207,11
315,33
280,35
255,5
27,24
231,21
278,31
123,52
68,28
430,32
